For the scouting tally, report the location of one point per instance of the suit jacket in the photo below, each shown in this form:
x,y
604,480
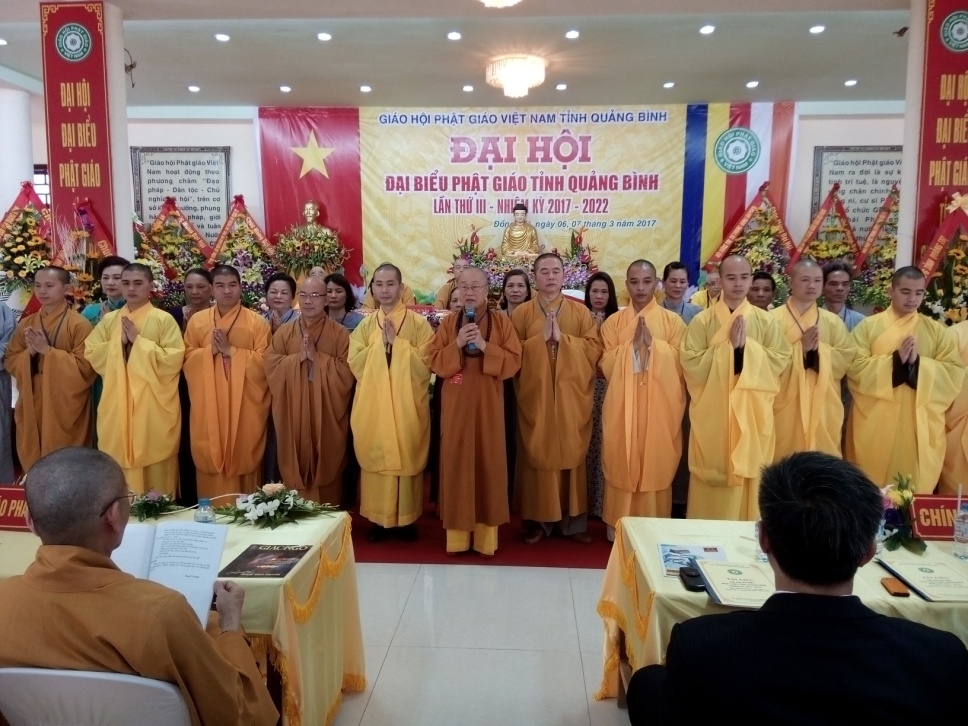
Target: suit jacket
x,y
804,659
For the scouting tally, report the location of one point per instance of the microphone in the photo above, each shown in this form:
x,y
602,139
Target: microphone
x,y
470,315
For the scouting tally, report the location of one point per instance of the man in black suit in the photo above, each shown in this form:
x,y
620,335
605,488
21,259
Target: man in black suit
x,y
813,654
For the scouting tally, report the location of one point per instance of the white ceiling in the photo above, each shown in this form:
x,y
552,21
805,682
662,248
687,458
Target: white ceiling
x,y
626,50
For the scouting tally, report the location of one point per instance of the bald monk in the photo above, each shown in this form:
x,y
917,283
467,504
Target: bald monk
x,y
734,357
391,411
138,350
809,411
227,385
312,385
906,374
46,358
644,403
711,292
954,472
407,297
443,296
555,395
473,358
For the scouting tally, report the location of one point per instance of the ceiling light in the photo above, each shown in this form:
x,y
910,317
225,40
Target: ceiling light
x,y
324,36
453,35
817,29
572,34
2,41
222,37
285,89
668,84
194,89
851,82
499,3
752,84
365,89
516,74
468,88
561,87
707,29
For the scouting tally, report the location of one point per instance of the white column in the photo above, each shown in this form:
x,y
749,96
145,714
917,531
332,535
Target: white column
x,y
16,144
910,156
118,122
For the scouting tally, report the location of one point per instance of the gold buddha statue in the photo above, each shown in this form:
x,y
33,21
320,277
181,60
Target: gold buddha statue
x,y
520,238
311,215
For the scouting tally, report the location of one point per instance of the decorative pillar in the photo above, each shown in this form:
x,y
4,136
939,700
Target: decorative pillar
x,y
910,156
118,122
16,145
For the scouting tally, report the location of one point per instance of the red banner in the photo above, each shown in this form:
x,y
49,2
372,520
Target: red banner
x,y
76,94
934,516
13,509
89,221
314,154
739,229
886,210
933,252
943,165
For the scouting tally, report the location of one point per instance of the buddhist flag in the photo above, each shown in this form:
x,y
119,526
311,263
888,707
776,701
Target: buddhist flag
x,y
314,154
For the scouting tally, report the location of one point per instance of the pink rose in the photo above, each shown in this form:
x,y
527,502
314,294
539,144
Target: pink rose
x,y
153,496
274,488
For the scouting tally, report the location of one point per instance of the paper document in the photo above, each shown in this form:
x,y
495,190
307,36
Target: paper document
x,y
736,585
935,581
674,556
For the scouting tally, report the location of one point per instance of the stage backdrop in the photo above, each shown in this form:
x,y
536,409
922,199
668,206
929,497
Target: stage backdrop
x,y
658,182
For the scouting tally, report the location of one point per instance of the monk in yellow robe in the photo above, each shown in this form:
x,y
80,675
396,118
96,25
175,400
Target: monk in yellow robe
x,y
555,395
955,468
711,292
906,374
734,357
474,358
46,358
644,403
312,386
391,410
809,410
227,385
442,298
406,297
138,352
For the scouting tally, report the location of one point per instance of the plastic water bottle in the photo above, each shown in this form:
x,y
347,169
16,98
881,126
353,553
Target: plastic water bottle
x,y
759,555
961,533
205,514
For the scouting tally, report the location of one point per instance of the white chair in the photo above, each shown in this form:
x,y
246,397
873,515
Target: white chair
x,y
45,697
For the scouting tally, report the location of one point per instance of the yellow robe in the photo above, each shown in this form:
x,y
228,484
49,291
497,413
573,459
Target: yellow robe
x,y
406,298
642,414
54,406
732,435
701,298
391,415
555,396
442,298
809,410
955,469
901,430
230,408
139,416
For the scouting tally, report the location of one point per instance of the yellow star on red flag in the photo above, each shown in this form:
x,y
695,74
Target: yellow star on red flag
x,y
313,156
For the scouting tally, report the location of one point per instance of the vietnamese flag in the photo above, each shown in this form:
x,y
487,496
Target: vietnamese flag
x,y
314,154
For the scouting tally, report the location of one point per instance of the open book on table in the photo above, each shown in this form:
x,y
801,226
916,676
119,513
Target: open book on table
x,y
184,556
737,585
935,581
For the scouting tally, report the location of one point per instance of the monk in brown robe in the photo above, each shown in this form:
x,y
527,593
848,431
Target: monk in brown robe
x,y
54,379
474,358
555,394
311,384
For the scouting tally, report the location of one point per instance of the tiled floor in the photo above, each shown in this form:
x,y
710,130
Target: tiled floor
x,y
458,644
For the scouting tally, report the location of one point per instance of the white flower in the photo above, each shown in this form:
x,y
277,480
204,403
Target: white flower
x,y
261,508
273,506
251,516
241,502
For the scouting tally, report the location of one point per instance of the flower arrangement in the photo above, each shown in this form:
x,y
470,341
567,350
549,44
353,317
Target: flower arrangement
x,y
898,518
873,280
760,244
304,247
170,251
947,295
271,506
23,249
153,504
830,244
243,252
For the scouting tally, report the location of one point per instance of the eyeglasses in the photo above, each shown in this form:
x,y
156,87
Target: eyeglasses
x,y
313,295
475,288
129,496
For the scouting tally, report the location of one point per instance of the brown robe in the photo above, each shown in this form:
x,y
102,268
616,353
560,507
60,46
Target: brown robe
x,y
54,406
473,455
311,406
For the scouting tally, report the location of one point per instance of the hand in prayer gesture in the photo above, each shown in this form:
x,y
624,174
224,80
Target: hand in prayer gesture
x,y
599,317
220,343
467,334
36,340
274,319
129,331
643,336
306,351
389,332
810,339
908,350
737,334
551,330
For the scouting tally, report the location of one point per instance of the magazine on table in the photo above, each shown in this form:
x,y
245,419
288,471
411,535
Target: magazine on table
x,y
674,556
260,560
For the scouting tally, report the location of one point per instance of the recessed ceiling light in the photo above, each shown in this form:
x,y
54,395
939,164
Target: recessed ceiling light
x,y
222,37
453,35
285,89
851,82
752,84
468,88
365,89
194,89
572,34
2,41
707,29
817,29
668,84
561,87
324,36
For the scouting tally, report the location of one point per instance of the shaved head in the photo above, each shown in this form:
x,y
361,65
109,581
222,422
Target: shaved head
x,y
641,263
62,275
389,266
731,262
472,272
806,263
313,284
906,273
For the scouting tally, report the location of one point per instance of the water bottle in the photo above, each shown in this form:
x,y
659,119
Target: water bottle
x,y
205,514
470,315
759,555
880,536
961,533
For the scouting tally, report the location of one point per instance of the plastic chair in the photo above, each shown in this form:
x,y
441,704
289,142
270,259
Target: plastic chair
x,y
46,697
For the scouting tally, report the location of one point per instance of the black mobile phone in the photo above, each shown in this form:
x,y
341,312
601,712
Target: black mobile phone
x,y
691,579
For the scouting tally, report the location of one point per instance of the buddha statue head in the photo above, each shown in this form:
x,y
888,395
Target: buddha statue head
x,y
520,213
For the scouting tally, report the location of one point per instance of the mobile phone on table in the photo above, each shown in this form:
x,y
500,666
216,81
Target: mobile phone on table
x,y
895,587
691,579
